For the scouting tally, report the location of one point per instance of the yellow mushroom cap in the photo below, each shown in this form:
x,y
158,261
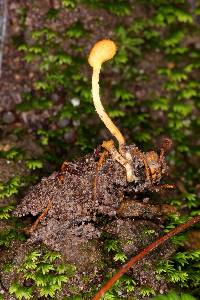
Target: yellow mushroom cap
x,y
102,51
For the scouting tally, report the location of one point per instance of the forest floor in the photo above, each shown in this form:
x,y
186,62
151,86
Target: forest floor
x,y
47,117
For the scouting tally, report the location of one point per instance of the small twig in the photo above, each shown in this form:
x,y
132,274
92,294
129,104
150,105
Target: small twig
x,y
39,219
143,253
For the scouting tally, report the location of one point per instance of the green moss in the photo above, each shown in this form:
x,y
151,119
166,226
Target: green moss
x,y
183,269
174,296
47,272
7,236
5,212
146,291
10,188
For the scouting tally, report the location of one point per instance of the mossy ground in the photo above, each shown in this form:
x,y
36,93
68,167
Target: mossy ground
x,y
151,89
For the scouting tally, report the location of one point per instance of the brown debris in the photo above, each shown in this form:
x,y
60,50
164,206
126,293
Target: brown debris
x,y
73,205
139,209
39,219
193,240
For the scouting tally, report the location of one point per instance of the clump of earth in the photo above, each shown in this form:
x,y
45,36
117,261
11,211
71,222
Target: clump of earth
x,y
85,204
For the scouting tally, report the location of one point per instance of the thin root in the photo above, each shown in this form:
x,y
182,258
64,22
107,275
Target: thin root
x,y
33,227
110,147
98,166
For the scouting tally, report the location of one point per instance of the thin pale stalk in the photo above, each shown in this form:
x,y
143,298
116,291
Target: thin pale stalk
x,y
100,109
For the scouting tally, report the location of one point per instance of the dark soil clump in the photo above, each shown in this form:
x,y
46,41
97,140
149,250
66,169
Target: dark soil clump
x,y
87,202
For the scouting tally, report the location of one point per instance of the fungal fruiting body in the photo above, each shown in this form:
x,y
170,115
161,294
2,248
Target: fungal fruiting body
x,y
102,51
154,164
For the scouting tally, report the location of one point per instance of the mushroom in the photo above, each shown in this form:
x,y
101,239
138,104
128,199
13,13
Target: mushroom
x,y
102,51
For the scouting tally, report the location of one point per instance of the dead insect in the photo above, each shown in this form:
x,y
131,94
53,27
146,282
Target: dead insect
x,y
155,168
155,165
